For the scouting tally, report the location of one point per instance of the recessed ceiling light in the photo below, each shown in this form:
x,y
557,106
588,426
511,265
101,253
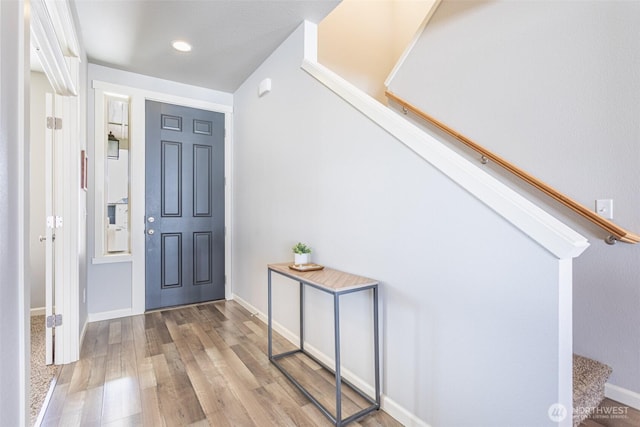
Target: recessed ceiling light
x,y
181,46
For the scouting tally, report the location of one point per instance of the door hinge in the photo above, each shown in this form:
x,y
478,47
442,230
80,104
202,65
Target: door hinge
x,y
54,320
54,123
50,221
225,279
58,221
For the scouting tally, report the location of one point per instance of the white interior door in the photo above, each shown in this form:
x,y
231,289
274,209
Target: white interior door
x,y
62,66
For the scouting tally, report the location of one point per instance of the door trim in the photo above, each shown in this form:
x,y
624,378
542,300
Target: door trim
x,y
49,168
137,98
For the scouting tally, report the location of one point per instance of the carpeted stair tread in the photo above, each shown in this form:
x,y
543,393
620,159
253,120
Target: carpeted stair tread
x,y
589,378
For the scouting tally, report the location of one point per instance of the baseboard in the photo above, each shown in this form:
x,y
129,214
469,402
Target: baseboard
x,y
108,315
400,414
38,311
286,333
388,405
622,395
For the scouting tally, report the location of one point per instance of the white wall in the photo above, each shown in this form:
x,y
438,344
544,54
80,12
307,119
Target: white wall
x,y
109,287
14,213
408,15
470,306
553,87
362,39
39,87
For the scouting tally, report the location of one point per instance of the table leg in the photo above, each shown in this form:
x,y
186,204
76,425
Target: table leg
x,y
301,316
270,337
376,344
336,323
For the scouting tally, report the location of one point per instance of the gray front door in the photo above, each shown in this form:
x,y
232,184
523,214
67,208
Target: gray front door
x,y
184,205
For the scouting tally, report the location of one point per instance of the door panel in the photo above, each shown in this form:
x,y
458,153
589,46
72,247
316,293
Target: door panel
x,y
201,180
202,248
171,165
185,205
171,259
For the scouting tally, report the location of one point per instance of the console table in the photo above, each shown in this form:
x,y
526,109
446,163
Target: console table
x,y
336,283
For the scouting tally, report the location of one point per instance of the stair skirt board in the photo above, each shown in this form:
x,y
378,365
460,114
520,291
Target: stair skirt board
x,y
589,378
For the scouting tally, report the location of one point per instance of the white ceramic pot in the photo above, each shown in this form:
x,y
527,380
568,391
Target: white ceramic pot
x,y
302,259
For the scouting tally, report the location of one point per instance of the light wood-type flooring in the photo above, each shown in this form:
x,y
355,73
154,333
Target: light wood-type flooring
x,y
613,414
192,366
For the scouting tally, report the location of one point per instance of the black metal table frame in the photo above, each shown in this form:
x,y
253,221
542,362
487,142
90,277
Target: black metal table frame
x,y
337,419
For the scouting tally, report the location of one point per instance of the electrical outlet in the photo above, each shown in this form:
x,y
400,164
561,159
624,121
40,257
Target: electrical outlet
x,y
604,208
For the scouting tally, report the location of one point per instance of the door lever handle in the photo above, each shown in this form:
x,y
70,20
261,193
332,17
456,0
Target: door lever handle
x,y
42,238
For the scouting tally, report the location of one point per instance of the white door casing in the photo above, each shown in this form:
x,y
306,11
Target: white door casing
x,y
50,224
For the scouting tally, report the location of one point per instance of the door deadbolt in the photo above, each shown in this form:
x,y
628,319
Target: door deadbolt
x,y
150,231
151,219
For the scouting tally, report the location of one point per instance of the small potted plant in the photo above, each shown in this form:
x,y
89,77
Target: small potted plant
x,y
302,254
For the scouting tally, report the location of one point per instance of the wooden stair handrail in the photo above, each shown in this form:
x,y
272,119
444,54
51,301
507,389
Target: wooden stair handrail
x,y
616,232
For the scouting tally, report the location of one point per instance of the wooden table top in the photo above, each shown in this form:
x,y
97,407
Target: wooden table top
x,y
328,279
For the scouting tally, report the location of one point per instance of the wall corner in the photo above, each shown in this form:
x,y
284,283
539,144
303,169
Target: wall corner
x,y
310,41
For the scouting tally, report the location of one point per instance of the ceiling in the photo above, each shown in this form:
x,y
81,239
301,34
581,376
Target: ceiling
x,y
230,38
